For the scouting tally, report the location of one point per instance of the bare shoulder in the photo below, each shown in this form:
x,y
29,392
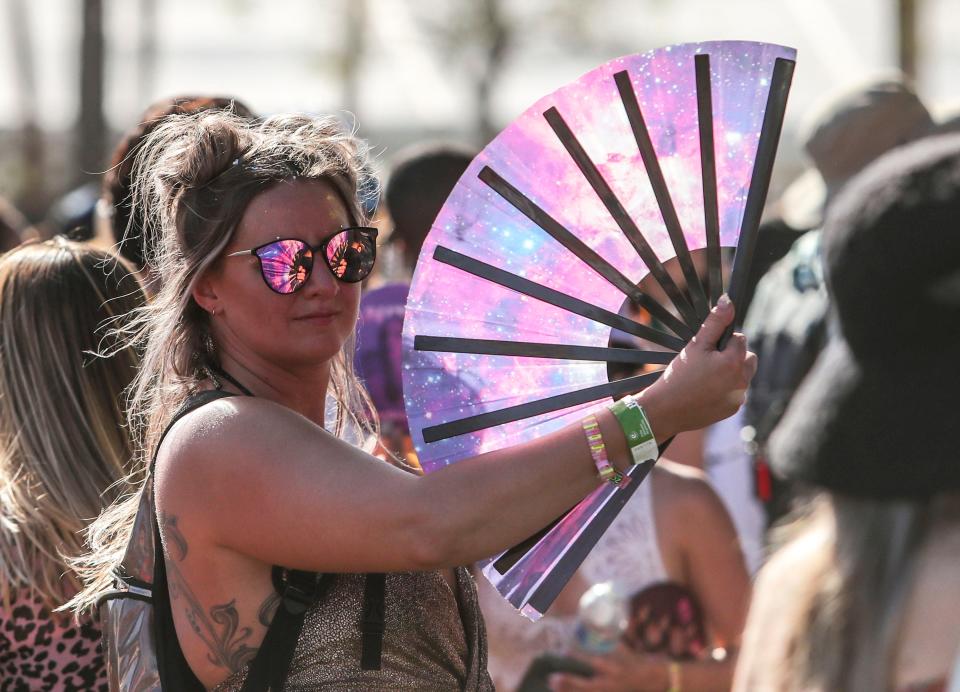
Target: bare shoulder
x,y
686,503
683,484
232,438
230,424
222,419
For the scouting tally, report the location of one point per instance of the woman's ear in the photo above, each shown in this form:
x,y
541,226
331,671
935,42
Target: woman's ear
x,y
205,293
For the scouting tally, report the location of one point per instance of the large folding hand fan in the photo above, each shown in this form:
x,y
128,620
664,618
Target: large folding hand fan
x,y
551,228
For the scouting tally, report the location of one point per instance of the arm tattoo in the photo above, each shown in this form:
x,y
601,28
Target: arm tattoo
x,y
176,543
269,608
220,630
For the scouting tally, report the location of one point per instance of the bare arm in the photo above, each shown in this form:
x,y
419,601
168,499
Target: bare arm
x,y
251,476
271,485
715,565
626,670
718,576
687,448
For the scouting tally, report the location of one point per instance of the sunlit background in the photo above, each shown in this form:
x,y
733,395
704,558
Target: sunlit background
x,y
75,73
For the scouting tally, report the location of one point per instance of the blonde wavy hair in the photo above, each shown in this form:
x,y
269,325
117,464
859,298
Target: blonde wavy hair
x,y
63,442
830,604
195,176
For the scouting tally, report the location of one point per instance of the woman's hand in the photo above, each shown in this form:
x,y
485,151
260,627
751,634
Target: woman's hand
x,y
702,385
623,670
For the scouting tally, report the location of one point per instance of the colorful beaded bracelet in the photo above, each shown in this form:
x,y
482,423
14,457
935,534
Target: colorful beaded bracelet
x,y
598,450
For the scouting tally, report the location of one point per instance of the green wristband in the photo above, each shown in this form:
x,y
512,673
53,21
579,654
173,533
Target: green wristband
x,y
636,428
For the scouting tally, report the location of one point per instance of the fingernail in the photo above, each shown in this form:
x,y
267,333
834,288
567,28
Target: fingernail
x,y
724,301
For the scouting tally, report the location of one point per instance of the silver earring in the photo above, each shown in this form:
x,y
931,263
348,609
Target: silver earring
x,y
213,312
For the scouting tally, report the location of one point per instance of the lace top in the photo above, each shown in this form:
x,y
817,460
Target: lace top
x,y
433,639
627,554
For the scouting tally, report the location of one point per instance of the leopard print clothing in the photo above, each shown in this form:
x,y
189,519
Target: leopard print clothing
x,y
40,652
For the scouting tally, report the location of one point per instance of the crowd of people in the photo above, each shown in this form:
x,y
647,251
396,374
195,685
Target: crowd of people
x,y
204,456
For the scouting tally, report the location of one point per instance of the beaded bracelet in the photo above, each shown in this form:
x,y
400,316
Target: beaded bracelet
x,y
598,451
636,428
673,672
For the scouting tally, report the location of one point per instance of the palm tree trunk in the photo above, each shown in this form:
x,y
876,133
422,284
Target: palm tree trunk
x,y
91,126
907,36
32,194
146,52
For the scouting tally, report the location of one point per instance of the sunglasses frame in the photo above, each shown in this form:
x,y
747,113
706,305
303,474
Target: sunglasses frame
x,y
320,247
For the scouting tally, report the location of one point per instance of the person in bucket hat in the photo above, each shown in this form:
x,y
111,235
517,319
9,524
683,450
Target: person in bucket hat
x,y
854,600
787,323
873,418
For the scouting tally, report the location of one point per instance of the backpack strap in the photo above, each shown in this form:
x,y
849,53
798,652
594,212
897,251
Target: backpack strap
x,y
175,673
372,624
298,591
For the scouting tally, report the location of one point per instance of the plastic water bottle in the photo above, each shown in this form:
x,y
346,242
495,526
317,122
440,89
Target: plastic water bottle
x,y
602,619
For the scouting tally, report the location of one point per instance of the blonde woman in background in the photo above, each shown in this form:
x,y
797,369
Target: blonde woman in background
x,y
62,445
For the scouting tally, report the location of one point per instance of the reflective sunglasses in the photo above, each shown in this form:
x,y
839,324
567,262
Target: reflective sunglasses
x,y
286,263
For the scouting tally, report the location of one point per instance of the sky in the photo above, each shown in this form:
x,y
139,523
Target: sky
x,y
284,55
277,54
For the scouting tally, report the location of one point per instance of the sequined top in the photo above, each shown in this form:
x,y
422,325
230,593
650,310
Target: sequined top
x,y
433,640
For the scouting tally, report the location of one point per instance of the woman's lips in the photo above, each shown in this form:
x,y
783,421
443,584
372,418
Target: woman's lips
x,y
317,317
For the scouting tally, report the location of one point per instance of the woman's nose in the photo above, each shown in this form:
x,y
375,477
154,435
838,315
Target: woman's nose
x,y
321,282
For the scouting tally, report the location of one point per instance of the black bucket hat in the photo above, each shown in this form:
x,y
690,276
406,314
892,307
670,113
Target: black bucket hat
x,y
878,416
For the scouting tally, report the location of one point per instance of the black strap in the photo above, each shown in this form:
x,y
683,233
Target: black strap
x,y
174,671
372,624
215,372
172,667
194,402
298,591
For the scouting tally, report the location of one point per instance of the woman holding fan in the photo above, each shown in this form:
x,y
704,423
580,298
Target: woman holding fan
x,y
260,241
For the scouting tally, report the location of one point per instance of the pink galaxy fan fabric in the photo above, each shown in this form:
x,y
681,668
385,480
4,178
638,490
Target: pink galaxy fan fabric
x,y
453,296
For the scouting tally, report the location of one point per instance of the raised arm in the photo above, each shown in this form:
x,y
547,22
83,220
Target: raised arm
x,y
250,476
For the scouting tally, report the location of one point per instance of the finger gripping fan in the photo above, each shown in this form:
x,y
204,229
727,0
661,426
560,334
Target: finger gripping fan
x,y
627,175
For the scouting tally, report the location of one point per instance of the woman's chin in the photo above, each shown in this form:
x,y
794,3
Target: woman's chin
x,y
312,353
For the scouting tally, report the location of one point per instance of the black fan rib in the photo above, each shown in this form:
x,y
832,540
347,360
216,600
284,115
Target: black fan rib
x,y
527,349
553,297
759,183
584,252
548,590
708,173
661,192
491,419
621,216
